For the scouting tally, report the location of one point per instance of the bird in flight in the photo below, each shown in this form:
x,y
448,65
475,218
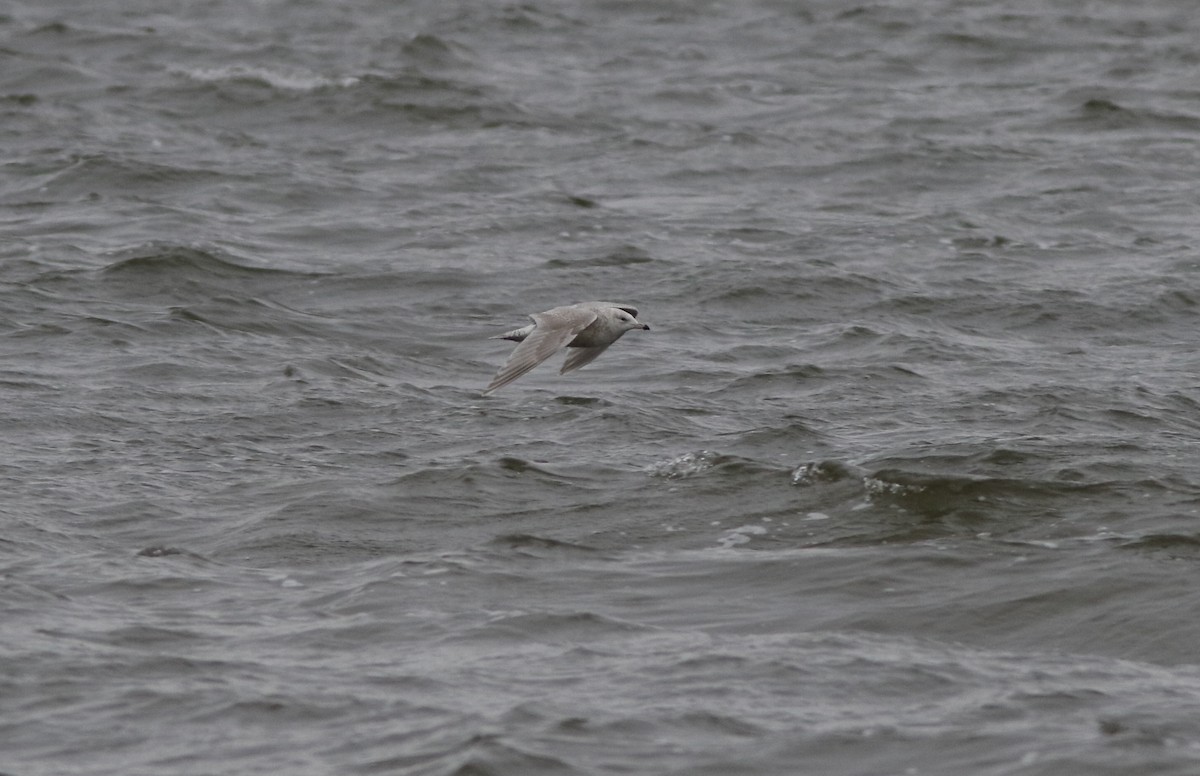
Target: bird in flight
x,y
589,327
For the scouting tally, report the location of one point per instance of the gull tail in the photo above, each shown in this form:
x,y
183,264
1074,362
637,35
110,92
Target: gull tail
x,y
516,335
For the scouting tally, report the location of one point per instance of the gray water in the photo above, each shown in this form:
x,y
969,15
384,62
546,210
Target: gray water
x,y
903,480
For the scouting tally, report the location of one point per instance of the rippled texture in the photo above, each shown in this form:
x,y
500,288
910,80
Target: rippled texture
x,y
902,480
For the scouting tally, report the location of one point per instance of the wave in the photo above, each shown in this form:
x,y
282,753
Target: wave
x,y
155,260
418,94
287,80
1177,546
700,462
94,176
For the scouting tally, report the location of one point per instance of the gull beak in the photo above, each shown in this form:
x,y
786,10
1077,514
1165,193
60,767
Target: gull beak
x,y
646,326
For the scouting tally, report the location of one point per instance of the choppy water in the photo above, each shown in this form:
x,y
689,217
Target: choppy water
x,y
904,479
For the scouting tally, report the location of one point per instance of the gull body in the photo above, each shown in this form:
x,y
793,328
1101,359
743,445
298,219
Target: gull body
x,y
590,327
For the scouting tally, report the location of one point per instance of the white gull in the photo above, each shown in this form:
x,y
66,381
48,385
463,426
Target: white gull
x,y
590,327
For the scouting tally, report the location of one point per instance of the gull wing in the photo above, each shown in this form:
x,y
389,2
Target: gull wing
x,y
552,331
580,356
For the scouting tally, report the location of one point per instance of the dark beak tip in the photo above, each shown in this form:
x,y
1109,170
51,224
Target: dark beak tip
x,y
646,326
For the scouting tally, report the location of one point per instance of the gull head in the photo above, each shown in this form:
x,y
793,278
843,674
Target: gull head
x,y
627,322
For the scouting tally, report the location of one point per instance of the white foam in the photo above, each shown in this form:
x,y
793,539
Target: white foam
x,y
291,80
741,535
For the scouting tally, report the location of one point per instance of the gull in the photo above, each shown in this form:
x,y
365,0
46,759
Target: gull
x,y
590,327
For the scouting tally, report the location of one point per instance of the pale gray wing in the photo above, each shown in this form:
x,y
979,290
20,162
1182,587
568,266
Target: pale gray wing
x,y
581,356
552,331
